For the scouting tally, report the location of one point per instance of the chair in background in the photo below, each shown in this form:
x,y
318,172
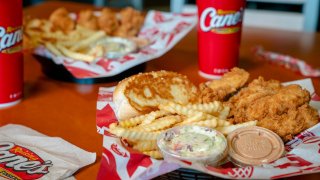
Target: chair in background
x,y
305,21
137,4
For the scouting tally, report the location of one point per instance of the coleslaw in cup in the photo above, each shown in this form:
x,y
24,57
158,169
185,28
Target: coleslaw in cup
x,y
194,144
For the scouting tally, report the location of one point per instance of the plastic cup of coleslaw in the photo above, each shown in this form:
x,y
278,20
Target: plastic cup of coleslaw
x,y
195,144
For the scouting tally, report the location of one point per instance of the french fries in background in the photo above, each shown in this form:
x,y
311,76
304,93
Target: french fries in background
x,y
73,38
141,132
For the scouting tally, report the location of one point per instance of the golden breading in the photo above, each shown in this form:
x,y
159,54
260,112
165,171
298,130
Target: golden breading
x,y
294,121
61,20
88,20
282,109
222,88
131,21
107,21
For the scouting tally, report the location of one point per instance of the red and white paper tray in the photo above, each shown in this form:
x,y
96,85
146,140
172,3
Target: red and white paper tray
x,y
120,162
163,30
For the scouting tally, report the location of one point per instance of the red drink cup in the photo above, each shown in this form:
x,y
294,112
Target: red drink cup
x,y
11,57
219,35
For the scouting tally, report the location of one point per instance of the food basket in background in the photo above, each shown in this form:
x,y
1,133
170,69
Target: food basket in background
x,y
162,30
59,72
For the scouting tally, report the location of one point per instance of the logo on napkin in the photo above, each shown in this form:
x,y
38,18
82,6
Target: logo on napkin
x,y
17,162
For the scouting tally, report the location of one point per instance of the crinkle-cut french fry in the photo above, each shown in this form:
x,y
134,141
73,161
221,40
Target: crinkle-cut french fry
x,y
154,154
53,49
75,55
177,108
212,109
193,118
146,145
228,129
199,116
133,134
128,123
89,40
209,108
211,123
154,115
192,115
223,122
161,123
224,113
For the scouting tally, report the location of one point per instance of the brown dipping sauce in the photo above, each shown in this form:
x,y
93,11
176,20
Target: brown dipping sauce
x,y
254,146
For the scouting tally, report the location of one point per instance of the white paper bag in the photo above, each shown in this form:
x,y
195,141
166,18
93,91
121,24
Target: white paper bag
x,y
28,154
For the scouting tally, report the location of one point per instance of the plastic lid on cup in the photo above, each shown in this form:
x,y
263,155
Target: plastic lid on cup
x,y
254,146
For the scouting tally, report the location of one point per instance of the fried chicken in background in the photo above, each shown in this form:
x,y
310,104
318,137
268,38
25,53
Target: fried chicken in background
x,y
61,20
126,24
131,21
108,21
88,20
282,109
219,90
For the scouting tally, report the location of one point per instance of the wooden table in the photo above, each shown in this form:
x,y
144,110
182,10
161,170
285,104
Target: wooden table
x,y
68,110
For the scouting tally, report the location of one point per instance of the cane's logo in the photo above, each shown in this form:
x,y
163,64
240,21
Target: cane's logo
x,y
220,21
10,39
17,162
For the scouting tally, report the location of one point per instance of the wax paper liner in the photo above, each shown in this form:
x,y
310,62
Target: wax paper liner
x,y
163,30
120,162
28,154
288,62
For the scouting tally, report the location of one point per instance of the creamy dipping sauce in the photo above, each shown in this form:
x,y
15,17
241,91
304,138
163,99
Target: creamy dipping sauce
x,y
254,146
115,47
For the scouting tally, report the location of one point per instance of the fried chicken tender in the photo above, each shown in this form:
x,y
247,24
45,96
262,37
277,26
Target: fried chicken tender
x,y
88,20
282,109
61,20
288,97
131,22
107,21
224,87
257,89
207,95
292,122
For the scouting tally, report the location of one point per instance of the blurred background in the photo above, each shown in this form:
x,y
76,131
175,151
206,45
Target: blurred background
x,y
297,15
